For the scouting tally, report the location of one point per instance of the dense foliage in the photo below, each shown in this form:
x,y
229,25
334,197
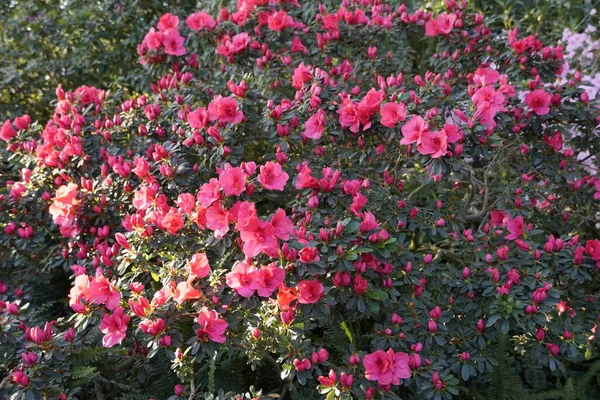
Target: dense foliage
x,y
45,43
305,207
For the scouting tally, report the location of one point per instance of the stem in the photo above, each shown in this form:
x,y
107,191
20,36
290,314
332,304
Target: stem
x,y
4,382
415,192
98,391
193,389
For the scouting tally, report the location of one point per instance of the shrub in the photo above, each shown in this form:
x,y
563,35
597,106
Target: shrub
x,y
304,206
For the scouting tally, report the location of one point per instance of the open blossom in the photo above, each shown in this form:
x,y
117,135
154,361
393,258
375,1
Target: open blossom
x,y
391,113
198,118
488,102
349,115
153,327
592,248
258,236
309,255
413,130
199,266
209,192
217,219
442,25
434,143
302,74
79,294
225,109
7,132
114,327
64,205
279,20
184,291
212,326
310,291
539,101
172,221
233,181
267,279
315,125
168,21
272,176
282,225
200,20
515,228
173,42
242,279
485,76
386,367
101,291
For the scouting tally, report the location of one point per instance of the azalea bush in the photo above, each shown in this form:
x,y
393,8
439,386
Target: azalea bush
x,y
304,207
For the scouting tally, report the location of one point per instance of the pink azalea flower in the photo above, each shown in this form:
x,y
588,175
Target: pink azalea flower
x,y
279,20
199,266
386,367
243,213
453,133
114,327
101,291
539,101
209,192
173,42
309,255
302,74
592,248
168,21
442,25
64,205
434,143
211,326
7,132
391,113
242,279
233,181
369,223
79,294
282,225
153,39
315,125
310,291
200,20
240,42
217,219
153,327
349,117
185,291
488,102
268,279
224,109
485,76
161,297
413,129
198,118
258,237
498,218
272,176
172,221
515,228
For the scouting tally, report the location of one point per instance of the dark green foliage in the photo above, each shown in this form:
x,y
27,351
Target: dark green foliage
x,y
45,43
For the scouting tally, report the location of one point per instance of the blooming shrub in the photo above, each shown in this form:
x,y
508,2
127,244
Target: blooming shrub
x,y
301,193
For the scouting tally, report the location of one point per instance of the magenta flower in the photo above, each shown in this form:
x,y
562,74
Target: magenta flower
x,y
386,367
